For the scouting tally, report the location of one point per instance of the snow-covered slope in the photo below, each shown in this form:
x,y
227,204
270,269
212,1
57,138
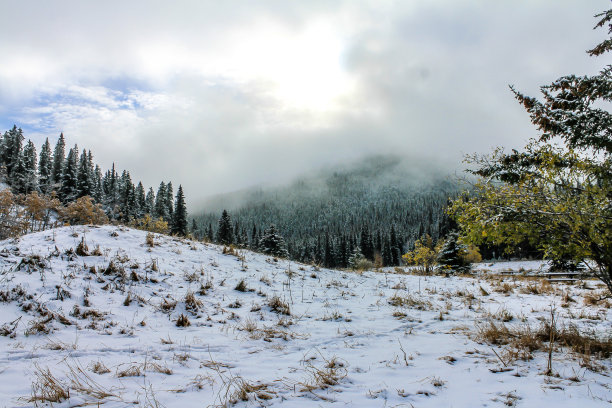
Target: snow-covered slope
x,y
104,327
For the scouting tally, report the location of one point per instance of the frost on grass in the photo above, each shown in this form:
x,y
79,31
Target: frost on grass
x,y
120,318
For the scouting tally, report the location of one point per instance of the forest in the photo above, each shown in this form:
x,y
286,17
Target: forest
x,y
51,187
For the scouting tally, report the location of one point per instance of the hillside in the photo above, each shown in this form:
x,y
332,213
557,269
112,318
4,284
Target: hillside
x,y
335,205
99,325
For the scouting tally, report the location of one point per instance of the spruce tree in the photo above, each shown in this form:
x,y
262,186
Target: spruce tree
x,y
30,181
169,201
179,221
450,258
68,190
272,243
84,177
161,209
150,202
141,201
45,168
59,154
224,231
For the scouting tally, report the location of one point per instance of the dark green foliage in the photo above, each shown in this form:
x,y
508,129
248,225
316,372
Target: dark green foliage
x,y
75,176
69,182
322,218
272,243
449,257
45,168
179,221
225,234
58,160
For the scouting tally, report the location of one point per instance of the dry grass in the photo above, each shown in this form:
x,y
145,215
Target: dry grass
x,y
99,368
47,388
333,371
407,300
279,306
192,304
183,321
241,286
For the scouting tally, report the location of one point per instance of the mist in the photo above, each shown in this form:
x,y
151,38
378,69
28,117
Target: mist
x,y
221,97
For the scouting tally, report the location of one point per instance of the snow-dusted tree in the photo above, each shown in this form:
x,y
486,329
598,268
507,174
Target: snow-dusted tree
x,y
451,256
161,209
225,234
45,168
59,154
84,176
272,243
179,221
558,191
68,190
356,257
150,202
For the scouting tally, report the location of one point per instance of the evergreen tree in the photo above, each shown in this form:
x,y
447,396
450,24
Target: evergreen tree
x,y
141,201
450,255
272,243
356,257
84,177
68,190
224,231
209,234
179,222
30,180
169,201
161,208
59,154
150,202
45,168
14,154
367,247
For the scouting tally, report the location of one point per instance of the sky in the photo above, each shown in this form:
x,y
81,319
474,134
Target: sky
x,y
223,95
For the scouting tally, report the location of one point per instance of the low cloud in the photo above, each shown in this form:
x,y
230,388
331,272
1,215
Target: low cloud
x,y
221,96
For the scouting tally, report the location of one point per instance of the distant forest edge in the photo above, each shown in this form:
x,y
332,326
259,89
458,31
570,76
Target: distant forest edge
x,y
381,207
54,187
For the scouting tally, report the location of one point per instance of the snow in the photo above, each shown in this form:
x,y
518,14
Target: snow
x,y
338,319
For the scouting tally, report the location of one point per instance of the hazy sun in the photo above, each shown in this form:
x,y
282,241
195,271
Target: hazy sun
x,y
304,71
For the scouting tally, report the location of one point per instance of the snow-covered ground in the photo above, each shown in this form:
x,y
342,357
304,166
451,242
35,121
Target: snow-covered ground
x,y
348,339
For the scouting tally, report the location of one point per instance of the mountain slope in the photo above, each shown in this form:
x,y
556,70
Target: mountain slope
x,y
104,326
336,204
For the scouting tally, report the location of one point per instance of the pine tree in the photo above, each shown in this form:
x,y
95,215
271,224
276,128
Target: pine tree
x,y
45,168
169,200
59,154
14,153
367,247
68,190
84,177
179,222
150,202
30,179
161,209
209,234
141,201
450,255
272,243
224,231
356,257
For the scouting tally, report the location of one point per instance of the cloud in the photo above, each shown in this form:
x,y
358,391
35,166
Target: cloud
x,y
219,96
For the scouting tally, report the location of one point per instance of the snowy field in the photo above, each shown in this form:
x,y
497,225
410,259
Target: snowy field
x,y
101,330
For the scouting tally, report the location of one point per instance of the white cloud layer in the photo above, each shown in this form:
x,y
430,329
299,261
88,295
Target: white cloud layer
x,y
221,95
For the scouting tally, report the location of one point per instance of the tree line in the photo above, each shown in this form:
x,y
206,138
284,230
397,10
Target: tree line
x,y
73,176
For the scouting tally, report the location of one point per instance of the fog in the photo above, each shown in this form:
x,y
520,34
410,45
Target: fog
x,y
219,96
